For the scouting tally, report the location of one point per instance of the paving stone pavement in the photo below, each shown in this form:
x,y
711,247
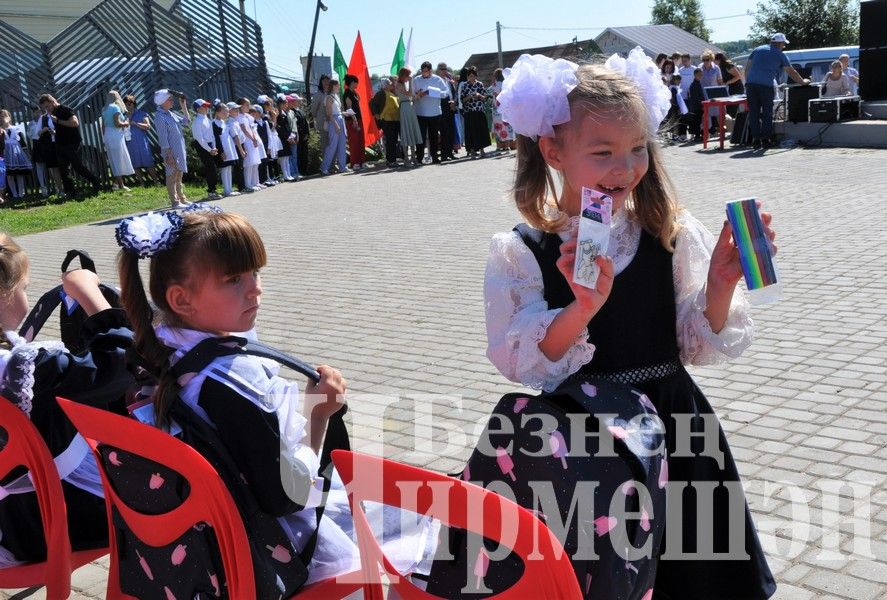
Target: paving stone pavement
x,y
381,273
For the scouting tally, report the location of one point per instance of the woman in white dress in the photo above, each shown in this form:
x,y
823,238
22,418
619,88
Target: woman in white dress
x,y
115,131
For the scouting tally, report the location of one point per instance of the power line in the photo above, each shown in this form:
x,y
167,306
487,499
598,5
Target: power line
x,y
474,37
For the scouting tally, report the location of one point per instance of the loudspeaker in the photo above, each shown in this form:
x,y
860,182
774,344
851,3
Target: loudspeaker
x,y
872,17
837,108
797,98
873,50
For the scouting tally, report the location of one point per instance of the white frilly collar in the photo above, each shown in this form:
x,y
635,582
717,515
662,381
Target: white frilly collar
x,y
17,369
181,339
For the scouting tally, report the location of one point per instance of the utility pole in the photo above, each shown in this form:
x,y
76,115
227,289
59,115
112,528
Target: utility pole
x,y
499,43
320,6
246,49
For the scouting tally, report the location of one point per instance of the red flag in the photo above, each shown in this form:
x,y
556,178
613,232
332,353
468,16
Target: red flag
x,y
358,68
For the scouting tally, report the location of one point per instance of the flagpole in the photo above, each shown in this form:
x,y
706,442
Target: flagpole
x,y
320,5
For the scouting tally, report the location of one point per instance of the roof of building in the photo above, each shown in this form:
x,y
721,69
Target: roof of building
x,y
655,39
488,62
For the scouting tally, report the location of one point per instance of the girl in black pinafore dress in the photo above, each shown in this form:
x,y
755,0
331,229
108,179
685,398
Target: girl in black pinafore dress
x,y
665,297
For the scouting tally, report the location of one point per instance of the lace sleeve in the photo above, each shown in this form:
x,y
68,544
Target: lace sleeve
x,y
518,317
698,344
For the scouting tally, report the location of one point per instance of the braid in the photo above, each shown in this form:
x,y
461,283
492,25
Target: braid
x,y
150,348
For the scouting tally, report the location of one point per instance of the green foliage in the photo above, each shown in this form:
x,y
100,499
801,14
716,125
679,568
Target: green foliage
x,y
686,14
808,23
315,153
735,47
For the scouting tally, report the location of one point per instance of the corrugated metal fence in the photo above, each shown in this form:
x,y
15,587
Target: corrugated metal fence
x,y
204,48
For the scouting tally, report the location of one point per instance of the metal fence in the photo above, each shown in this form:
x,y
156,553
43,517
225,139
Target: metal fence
x,y
204,48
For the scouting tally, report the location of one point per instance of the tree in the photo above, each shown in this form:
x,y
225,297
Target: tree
x,y
735,47
686,14
808,23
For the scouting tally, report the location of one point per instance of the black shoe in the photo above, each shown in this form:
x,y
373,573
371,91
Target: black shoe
x,y
767,143
756,143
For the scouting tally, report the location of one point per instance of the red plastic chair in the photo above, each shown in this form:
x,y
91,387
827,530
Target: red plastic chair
x,y
25,447
548,572
209,501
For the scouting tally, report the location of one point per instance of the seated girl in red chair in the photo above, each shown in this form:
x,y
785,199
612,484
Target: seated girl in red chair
x,y
205,283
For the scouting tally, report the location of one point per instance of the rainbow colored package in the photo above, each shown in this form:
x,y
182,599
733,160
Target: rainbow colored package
x,y
755,253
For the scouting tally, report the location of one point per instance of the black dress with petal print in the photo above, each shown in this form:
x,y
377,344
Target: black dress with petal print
x,y
635,341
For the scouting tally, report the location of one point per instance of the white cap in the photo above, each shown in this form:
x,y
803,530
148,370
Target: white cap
x,y
161,96
778,37
262,99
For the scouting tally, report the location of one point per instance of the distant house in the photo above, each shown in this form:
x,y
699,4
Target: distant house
x,y
654,39
488,62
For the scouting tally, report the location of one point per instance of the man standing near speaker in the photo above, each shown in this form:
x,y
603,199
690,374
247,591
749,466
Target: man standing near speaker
x,y
763,68
851,73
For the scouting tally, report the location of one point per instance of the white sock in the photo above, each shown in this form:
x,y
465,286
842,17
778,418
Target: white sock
x,y
226,179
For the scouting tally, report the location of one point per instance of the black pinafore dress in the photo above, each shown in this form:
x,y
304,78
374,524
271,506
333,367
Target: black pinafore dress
x,y
635,341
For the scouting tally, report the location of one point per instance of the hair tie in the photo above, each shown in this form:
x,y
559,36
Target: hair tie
x,y
534,94
146,235
202,207
641,69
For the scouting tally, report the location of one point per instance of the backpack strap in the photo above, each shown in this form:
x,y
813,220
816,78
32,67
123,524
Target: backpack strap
x,y
206,351
49,301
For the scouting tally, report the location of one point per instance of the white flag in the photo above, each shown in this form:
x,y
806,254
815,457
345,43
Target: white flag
x,y
410,60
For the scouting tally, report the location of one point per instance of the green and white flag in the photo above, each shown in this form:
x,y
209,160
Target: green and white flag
x,y
339,65
399,56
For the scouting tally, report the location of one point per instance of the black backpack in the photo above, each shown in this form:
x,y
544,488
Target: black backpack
x,y
202,576
71,316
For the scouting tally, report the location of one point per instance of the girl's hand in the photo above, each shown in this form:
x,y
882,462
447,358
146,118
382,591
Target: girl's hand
x,y
83,286
169,160
725,270
327,395
590,301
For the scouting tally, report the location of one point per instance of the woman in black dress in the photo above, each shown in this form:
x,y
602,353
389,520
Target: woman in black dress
x,y
474,95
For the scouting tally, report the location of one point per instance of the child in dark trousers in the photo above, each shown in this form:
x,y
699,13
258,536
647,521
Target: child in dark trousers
x,y
694,105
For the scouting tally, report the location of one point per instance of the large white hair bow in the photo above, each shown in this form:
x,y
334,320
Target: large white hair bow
x,y
534,94
641,69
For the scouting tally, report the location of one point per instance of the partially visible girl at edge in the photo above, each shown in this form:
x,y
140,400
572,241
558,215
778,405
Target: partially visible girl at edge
x,y
32,374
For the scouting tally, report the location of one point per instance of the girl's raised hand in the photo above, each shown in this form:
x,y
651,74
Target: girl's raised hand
x,y
328,394
590,301
83,286
725,270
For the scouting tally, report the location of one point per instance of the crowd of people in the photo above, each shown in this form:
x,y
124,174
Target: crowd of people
x,y
247,146
427,117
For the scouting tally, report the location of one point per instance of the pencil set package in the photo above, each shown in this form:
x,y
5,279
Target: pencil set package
x,y
755,253
593,237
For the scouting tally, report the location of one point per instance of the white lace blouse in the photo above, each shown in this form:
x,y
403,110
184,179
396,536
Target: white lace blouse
x,y
518,316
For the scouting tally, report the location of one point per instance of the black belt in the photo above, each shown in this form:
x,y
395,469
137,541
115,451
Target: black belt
x,y
634,376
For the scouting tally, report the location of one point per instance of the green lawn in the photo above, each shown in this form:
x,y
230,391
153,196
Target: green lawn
x,y
32,215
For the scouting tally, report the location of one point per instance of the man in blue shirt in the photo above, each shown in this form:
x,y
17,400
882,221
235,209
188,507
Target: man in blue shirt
x,y
430,89
762,69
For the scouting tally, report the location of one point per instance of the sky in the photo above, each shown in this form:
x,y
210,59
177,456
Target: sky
x,y
462,28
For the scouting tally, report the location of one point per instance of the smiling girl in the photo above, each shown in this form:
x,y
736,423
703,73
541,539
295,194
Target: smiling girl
x,y
666,296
